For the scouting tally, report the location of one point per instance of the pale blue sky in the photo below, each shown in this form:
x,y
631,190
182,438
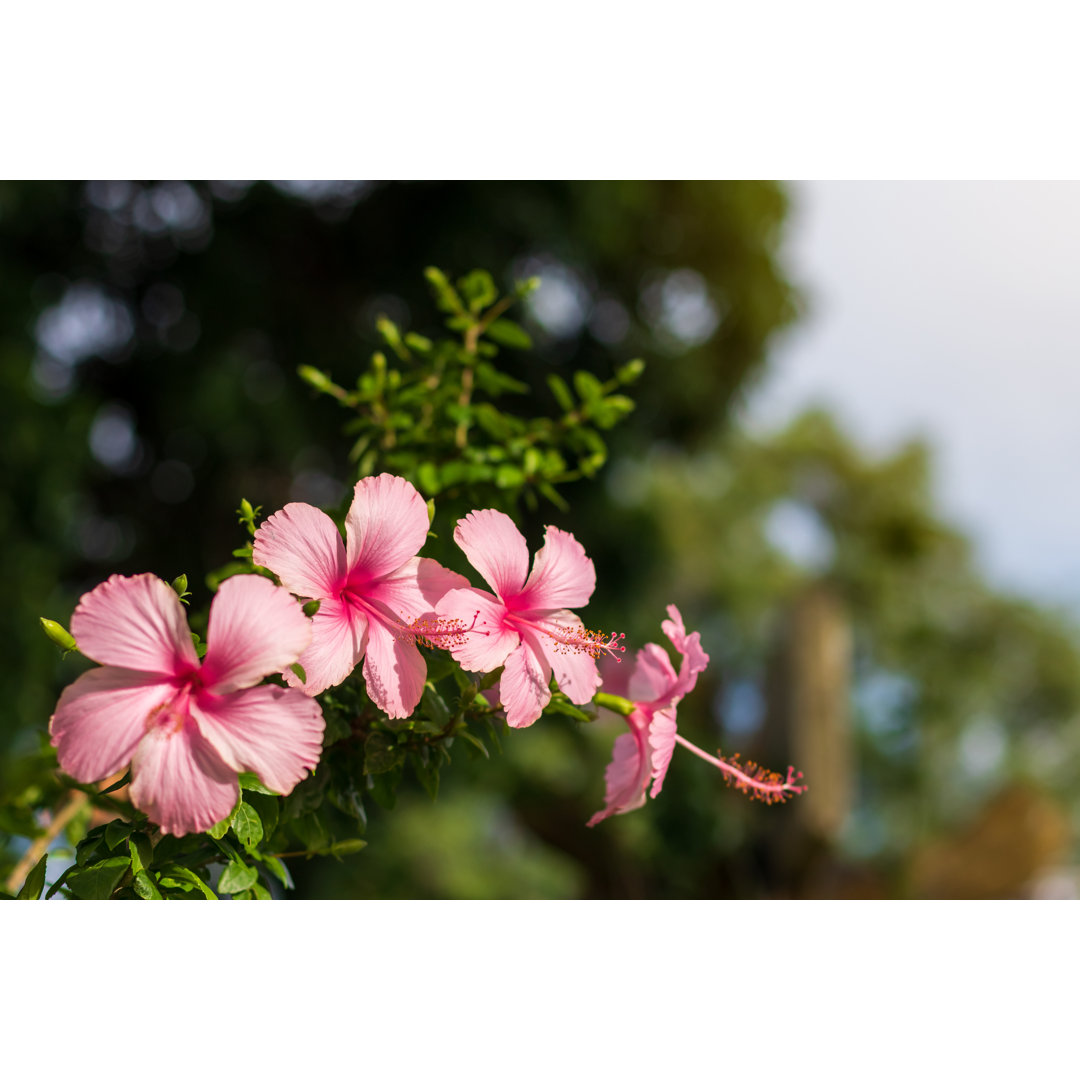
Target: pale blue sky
x,y
951,309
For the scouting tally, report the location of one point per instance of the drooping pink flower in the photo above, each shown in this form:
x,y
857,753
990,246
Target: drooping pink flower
x,y
371,589
187,727
525,627
644,753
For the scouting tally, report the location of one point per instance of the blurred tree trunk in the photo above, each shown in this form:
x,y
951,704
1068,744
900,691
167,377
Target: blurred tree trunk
x,y
808,723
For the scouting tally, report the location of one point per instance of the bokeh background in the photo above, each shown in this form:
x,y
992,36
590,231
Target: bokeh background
x,y
850,467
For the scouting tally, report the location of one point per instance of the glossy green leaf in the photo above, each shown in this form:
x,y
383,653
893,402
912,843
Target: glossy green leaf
x,y
247,826
99,880
177,873
236,877
250,782
117,831
145,888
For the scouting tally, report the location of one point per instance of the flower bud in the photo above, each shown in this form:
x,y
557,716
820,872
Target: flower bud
x,y
59,636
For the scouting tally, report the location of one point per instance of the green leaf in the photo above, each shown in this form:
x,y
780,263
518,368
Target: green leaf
x,y
469,737
434,707
588,386
427,774
299,672
346,847
446,298
86,848
236,877
143,849
99,881
220,829
337,727
381,753
317,379
247,826
268,809
312,832
145,888
278,869
561,392
508,333
35,881
478,289
171,876
116,831
509,476
630,372
122,782
250,782
261,892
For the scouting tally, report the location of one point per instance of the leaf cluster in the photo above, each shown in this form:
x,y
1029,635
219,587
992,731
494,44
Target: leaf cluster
x,y
434,413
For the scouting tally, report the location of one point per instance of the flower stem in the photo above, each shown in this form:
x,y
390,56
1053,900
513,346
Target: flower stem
x,y
615,703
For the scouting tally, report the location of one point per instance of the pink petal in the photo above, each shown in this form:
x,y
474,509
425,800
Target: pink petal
x,y
563,576
338,639
493,544
272,732
488,641
101,717
653,677
387,524
414,589
575,671
662,732
695,659
394,672
626,776
180,782
134,622
303,547
524,683
255,628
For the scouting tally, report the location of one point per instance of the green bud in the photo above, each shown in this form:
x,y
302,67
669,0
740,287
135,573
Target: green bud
x,y
430,511
630,372
59,636
311,607
179,585
316,378
523,288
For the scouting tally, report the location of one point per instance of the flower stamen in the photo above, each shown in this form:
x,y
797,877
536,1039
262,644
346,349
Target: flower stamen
x,y
439,633
750,778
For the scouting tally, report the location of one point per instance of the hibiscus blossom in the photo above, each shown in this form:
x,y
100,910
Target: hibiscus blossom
x,y
654,690
370,589
525,626
187,727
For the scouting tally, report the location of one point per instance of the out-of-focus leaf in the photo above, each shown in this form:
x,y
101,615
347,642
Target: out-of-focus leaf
x,y
35,881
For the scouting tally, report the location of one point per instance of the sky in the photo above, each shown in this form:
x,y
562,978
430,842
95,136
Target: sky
x,y
950,310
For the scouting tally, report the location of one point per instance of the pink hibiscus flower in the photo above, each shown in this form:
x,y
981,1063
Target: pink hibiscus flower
x,y
644,753
187,727
525,626
371,589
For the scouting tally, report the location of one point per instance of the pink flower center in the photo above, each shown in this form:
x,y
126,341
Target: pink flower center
x,y
171,715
